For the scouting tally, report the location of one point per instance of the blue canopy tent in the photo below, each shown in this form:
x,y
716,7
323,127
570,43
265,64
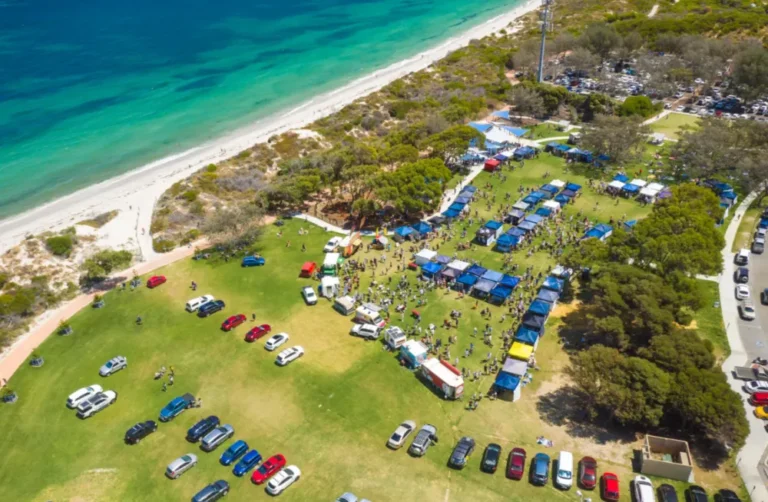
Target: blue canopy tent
x,y
549,188
559,150
550,147
494,276
502,114
568,193
501,157
541,194
594,233
607,230
548,295
527,225
436,221
500,293
531,199
510,281
422,228
630,189
526,335
540,307
506,242
457,207
554,284
483,287
516,232
443,260
466,281
462,200
493,225
629,225
562,199
506,382
601,160
534,321
524,152
450,214
573,186
472,157
621,177
514,217
404,232
470,188
544,212
431,269
466,195
517,131
476,270
480,126
534,218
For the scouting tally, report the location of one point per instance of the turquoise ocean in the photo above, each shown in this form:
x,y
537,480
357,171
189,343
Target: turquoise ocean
x,y
90,89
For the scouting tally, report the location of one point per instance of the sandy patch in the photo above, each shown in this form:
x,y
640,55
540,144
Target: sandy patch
x,y
563,309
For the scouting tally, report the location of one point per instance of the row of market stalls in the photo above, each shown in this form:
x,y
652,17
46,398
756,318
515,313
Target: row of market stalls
x,y
643,190
520,153
461,204
512,376
414,232
576,154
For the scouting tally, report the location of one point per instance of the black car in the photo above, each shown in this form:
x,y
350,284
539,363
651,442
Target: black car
x,y
202,428
140,431
491,457
696,494
667,493
726,496
210,308
214,491
461,452
741,275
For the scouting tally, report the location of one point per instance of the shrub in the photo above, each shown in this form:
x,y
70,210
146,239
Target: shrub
x,y
211,168
638,105
190,195
162,245
60,245
158,225
684,316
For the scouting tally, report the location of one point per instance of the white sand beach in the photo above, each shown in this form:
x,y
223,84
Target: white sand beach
x,y
134,194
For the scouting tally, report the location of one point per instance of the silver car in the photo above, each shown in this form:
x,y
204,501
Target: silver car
x,y
397,439
114,365
423,440
181,465
213,439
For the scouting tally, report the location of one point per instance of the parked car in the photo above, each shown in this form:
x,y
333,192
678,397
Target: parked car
x,y
564,475
253,261
181,465
96,403
759,399
540,469
195,303
609,486
114,365
257,332
347,497
233,321
234,452
275,341
367,331
176,406
461,452
516,464
81,395
741,275
423,440
742,292
210,308
764,296
397,439
644,489
747,311
758,246
216,437
491,457
762,412
742,257
202,428
214,491
309,295
667,493
588,473
248,462
268,469
695,493
332,244
155,281
756,386
283,479
289,355
726,496
139,431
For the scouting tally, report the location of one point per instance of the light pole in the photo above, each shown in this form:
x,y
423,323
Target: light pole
x,y
546,22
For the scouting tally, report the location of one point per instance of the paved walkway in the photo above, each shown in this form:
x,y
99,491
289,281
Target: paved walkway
x,y
750,460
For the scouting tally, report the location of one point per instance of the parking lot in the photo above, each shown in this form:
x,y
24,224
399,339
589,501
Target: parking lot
x,y
752,332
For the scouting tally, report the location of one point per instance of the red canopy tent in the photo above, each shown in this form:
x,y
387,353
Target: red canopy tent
x,y
492,164
308,269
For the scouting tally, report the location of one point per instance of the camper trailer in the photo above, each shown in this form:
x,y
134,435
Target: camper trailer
x,y
366,315
394,337
444,377
344,305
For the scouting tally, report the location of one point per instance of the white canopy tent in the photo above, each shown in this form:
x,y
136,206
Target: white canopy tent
x,y
638,182
557,183
656,186
649,192
424,256
616,184
459,265
551,204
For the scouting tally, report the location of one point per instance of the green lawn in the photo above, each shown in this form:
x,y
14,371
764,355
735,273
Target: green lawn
x,y
709,319
544,130
671,124
330,412
747,225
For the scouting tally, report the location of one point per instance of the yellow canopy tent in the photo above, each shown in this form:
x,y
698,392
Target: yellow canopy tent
x,y
520,351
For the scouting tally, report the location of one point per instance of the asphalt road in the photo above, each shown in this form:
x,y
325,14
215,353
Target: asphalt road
x,y
754,334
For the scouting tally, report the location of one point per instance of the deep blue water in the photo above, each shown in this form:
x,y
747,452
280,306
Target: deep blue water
x,y
90,89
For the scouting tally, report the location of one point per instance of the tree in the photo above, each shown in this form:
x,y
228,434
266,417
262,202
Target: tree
x,y
526,101
601,39
640,106
750,72
415,187
678,351
400,153
631,43
582,60
526,58
233,227
103,263
60,245
453,142
563,42
621,138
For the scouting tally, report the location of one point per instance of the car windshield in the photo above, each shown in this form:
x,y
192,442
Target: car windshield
x,y
109,364
396,437
564,474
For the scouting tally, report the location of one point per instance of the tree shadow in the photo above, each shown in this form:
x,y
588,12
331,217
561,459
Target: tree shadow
x,y
574,329
564,407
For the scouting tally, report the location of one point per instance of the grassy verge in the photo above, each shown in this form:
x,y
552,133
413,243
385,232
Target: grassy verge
x,y
672,124
709,319
747,226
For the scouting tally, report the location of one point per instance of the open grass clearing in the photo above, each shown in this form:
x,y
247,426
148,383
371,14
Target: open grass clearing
x,y
671,125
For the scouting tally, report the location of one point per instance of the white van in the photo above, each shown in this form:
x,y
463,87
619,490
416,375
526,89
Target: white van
x,y
564,477
366,315
196,303
742,257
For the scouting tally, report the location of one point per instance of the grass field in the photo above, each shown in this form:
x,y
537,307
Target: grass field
x,y
747,225
330,412
671,124
709,319
544,130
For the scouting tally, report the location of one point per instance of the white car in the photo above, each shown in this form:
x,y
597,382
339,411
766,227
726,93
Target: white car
x,y
742,292
283,479
289,355
367,331
196,303
756,386
181,465
747,311
332,244
644,490
81,395
275,341
308,292
397,439
114,365
96,403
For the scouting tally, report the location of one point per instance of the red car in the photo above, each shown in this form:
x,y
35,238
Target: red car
x,y
257,332
588,473
610,486
516,464
155,281
759,399
268,469
233,322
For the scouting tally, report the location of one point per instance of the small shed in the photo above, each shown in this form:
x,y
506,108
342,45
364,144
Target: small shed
x,y
667,458
329,286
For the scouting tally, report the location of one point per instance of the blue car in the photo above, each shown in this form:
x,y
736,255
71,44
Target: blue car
x,y
248,462
234,452
253,261
176,406
540,469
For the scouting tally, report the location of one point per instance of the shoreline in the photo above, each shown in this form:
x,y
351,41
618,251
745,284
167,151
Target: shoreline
x,y
135,192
